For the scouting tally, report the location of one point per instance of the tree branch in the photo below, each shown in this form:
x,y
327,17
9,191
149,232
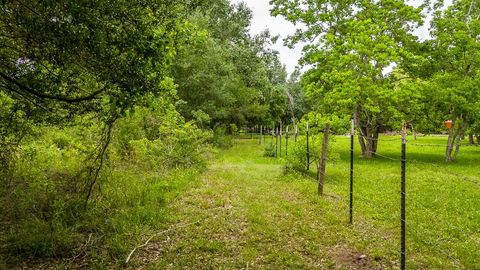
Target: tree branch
x,y
53,97
25,97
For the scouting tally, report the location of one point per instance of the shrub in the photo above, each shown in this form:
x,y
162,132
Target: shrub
x,y
270,150
221,138
153,153
297,153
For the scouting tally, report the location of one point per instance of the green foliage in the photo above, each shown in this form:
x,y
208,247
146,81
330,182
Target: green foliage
x,y
296,160
221,137
43,199
355,42
226,76
123,99
270,150
449,69
297,154
101,54
316,123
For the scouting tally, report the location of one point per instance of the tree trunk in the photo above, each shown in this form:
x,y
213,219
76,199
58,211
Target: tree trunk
x,y
478,139
471,139
322,164
368,139
457,143
367,136
413,132
455,135
451,139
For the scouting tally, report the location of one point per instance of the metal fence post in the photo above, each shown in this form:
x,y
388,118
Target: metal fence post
x,y
352,134
296,132
261,135
402,200
280,133
276,142
308,152
286,142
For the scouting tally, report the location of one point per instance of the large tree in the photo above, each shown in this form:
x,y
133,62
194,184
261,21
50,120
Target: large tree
x,y
60,59
454,89
66,52
350,46
225,75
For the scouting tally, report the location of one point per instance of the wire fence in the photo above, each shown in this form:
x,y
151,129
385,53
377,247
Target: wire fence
x,y
411,198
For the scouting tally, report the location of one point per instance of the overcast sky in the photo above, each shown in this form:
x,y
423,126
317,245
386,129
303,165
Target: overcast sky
x,y
278,26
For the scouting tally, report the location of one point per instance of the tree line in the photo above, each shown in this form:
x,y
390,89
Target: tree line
x,y
353,45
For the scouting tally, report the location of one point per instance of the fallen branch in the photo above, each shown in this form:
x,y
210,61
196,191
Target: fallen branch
x,y
157,234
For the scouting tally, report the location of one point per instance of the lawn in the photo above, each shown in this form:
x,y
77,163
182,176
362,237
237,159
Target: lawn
x,y
443,210
247,213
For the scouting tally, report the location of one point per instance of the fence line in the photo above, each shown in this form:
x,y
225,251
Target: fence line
x,y
414,229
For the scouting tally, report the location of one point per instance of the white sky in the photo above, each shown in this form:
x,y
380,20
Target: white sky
x,y
278,26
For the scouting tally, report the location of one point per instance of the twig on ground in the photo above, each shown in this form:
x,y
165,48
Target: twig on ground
x,y
157,234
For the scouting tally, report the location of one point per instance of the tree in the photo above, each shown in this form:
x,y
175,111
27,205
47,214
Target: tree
x,y
224,75
453,89
351,44
69,58
73,52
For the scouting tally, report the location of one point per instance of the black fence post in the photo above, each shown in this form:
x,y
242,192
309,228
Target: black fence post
x,y
286,142
402,201
276,142
308,152
272,133
352,134
296,132
280,133
261,135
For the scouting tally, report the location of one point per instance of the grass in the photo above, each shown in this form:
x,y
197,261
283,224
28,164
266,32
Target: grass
x,y
131,204
443,217
246,213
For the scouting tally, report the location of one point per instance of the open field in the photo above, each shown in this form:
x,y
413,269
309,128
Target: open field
x,y
443,211
248,214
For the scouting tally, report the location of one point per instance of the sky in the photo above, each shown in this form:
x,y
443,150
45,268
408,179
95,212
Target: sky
x,y
278,26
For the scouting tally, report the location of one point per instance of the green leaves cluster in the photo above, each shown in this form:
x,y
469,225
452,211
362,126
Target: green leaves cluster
x,y
226,76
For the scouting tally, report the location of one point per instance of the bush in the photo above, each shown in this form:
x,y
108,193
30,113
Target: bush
x,y
297,153
153,154
270,150
43,199
221,138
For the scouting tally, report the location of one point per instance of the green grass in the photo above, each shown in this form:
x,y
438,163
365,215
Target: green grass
x,y
244,211
248,214
443,214
130,205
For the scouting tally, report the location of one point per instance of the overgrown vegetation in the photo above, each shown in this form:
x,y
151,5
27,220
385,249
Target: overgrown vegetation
x,y
153,153
108,109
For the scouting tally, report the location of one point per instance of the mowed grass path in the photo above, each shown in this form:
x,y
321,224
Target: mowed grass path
x,y
245,213
251,216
